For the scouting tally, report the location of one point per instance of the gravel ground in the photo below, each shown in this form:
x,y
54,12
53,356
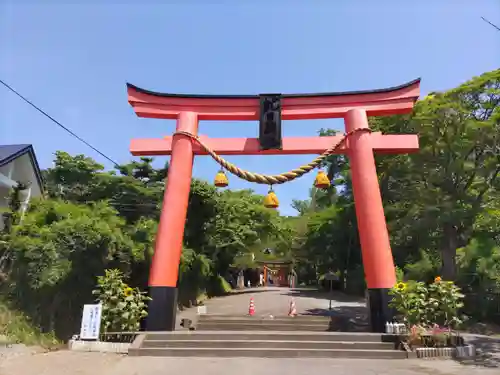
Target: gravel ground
x,y
63,362
76,363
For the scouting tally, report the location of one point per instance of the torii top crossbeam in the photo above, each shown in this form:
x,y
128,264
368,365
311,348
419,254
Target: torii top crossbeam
x,y
381,102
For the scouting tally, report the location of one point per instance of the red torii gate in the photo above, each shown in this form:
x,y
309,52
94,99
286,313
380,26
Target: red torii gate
x,y
354,107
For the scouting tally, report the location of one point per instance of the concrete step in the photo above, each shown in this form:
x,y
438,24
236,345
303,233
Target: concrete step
x,y
246,318
266,336
267,344
261,326
266,322
268,353
322,322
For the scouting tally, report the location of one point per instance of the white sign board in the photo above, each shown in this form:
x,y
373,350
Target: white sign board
x,y
202,310
91,322
330,276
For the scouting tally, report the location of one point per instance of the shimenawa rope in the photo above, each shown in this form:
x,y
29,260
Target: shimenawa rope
x,y
271,179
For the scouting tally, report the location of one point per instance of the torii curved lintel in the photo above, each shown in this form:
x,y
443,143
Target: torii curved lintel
x,y
387,101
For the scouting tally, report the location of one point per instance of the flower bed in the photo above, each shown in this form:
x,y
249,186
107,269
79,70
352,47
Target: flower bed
x,y
420,304
429,313
123,308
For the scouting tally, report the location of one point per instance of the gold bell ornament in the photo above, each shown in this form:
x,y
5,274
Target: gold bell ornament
x,y
321,181
221,179
271,200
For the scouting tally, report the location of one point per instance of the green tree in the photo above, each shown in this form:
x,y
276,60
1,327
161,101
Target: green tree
x,y
437,200
56,255
136,193
443,188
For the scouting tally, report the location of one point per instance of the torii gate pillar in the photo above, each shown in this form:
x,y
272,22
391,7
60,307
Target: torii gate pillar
x,y
165,264
378,262
353,107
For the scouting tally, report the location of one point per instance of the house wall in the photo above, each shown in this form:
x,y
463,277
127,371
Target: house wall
x,y
7,169
20,169
4,195
4,202
24,172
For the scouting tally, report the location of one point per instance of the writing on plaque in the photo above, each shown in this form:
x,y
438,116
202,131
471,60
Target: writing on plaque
x,y
91,322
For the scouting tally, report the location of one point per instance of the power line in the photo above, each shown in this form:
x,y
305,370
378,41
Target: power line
x,y
115,164
492,24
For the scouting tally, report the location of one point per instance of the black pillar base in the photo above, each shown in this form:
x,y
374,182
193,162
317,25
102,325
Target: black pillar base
x,y
162,309
379,310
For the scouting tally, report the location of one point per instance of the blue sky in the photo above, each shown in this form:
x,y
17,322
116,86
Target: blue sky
x,y
73,58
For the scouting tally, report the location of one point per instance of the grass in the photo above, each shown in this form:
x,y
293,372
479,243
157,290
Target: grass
x,y
16,328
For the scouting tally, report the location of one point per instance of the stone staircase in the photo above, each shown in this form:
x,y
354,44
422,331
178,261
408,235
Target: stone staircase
x,y
306,323
279,337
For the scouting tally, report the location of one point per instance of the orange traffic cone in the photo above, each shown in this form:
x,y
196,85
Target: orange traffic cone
x,y
251,308
292,311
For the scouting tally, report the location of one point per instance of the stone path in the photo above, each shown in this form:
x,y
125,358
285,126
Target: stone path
x,y
276,301
267,301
